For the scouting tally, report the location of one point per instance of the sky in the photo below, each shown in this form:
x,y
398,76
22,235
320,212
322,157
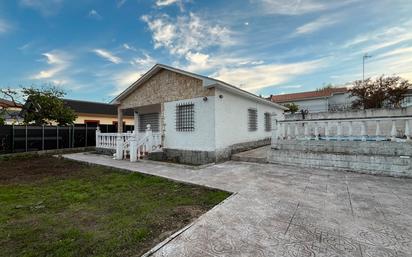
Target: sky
x,y
94,49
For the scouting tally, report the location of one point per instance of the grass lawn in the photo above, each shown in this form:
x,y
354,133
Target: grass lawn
x,y
55,207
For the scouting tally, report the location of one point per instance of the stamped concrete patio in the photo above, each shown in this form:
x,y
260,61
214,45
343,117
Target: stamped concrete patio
x,y
288,211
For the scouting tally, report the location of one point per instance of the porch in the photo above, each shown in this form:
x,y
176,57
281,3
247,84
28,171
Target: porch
x,y
145,138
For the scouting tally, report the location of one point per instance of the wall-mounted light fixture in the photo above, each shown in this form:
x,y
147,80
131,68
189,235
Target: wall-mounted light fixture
x,y
220,96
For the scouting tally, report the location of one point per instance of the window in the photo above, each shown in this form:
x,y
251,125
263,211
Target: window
x,y
268,122
252,113
92,122
185,117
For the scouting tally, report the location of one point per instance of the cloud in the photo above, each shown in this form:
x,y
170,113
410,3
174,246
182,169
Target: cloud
x,y
298,7
382,38
396,52
58,62
291,7
165,3
94,14
45,7
290,86
123,79
206,63
186,33
105,54
4,26
198,61
120,3
317,24
128,47
255,77
145,61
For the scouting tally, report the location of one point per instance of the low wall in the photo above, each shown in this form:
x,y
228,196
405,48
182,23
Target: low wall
x,y
387,148
370,164
368,113
385,158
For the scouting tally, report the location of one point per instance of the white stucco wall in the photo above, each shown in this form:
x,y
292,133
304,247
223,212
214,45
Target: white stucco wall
x,y
202,138
313,105
231,119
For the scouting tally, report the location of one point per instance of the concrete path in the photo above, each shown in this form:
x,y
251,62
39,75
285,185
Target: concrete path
x,y
288,211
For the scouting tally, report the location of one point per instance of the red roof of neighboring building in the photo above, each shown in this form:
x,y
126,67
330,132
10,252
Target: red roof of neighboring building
x,y
308,95
7,104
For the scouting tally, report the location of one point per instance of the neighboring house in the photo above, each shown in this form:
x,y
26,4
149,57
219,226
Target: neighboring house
x,y
200,119
407,101
324,100
10,111
94,113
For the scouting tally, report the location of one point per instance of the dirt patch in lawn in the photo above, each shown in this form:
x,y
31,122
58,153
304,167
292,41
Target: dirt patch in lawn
x,y
29,169
55,207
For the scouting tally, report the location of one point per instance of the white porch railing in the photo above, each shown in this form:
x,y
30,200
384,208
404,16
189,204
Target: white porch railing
x,y
356,129
133,144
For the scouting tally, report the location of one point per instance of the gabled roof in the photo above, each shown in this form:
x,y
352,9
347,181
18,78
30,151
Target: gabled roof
x,y
207,82
87,107
8,104
308,95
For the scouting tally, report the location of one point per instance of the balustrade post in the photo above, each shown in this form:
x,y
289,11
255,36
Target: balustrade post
x,y
149,135
98,136
306,130
119,147
316,131
363,130
339,131
407,131
133,148
288,132
296,134
378,130
275,132
350,132
327,130
393,130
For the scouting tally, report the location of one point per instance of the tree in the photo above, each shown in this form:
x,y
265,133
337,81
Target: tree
x,y
11,95
292,107
325,87
45,106
376,93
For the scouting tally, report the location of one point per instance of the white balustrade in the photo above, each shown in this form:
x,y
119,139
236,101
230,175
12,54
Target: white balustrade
x,y
133,144
347,129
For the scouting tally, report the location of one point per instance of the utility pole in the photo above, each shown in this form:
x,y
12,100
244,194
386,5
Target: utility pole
x,y
365,56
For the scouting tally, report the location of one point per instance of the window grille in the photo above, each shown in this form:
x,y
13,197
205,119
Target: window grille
x,y
252,113
185,113
268,122
149,118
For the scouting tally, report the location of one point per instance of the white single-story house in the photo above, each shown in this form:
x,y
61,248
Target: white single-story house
x,y
200,119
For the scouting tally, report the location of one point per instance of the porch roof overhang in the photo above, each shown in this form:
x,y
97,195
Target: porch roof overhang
x,y
207,82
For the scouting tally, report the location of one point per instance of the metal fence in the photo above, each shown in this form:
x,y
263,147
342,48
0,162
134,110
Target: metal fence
x,y
20,138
